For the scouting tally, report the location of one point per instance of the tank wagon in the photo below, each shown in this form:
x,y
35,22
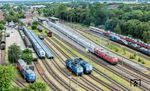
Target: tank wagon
x,y
3,40
38,49
28,74
87,68
21,33
88,45
27,42
74,67
48,52
135,44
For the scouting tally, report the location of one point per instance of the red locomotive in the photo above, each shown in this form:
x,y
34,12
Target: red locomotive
x,y
109,57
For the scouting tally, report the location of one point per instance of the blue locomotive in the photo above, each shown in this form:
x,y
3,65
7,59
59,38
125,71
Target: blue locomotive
x,y
86,66
74,67
28,74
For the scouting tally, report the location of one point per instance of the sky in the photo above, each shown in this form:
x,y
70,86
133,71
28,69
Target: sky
x,y
19,0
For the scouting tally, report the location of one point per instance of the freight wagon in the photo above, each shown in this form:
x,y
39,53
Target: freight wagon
x,y
24,38
28,74
27,42
3,41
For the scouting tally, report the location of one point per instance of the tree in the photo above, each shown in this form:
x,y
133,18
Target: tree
x,y
111,24
2,22
15,19
34,27
61,10
35,23
27,55
1,26
146,36
38,86
8,18
14,53
27,89
117,29
6,76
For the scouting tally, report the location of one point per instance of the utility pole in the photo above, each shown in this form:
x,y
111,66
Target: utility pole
x,y
70,83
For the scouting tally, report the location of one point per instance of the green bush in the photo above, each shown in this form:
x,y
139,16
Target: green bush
x,y
116,49
134,55
131,57
27,56
34,27
139,59
143,62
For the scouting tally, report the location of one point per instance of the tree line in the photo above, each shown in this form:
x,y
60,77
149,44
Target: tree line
x,y
132,20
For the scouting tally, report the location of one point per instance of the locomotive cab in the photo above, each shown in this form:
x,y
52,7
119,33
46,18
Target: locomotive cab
x,y
87,68
114,61
30,75
42,54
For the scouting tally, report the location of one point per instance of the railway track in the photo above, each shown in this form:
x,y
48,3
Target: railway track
x,y
44,77
19,83
93,77
110,87
95,59
81,85
144,76
90,85
135,75
58,78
